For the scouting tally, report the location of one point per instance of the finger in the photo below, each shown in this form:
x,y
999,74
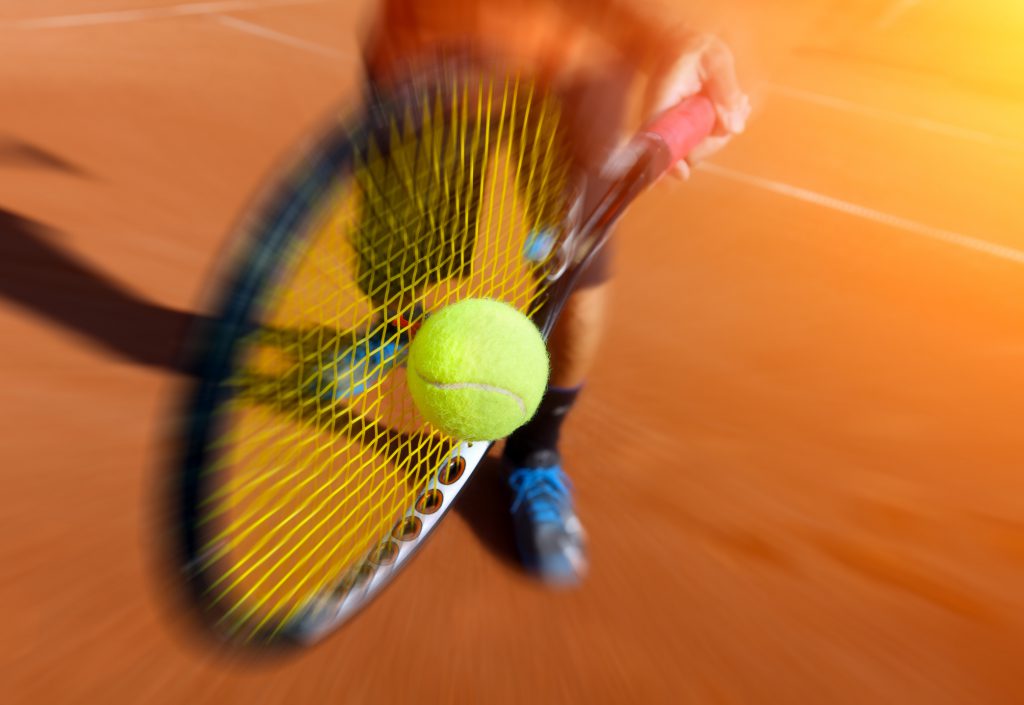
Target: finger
x,y
721,85
718,72
681,170
706,148
735,120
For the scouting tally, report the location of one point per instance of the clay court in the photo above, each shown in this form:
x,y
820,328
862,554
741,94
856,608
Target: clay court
x,y
799,459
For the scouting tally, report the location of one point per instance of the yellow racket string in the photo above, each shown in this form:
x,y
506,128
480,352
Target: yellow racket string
x,y
323,453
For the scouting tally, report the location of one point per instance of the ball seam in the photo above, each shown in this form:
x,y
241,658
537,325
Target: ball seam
x,y
455,386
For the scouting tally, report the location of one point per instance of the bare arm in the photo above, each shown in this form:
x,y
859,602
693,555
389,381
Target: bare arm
x,y
679,63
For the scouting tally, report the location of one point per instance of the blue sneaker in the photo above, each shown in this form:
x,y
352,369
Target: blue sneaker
x,y
549,535
355,369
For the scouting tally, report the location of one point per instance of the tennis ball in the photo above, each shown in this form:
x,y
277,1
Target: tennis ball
x,y
477,369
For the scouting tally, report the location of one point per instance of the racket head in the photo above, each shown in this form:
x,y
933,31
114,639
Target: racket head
x,y
307,477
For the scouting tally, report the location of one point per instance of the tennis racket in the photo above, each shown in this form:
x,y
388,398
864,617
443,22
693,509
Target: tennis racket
x,y
306,477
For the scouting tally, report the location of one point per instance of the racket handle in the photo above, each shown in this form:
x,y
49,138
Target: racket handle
x,y
684,126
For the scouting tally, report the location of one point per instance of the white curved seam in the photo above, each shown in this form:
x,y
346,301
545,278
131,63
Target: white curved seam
x,y
455,386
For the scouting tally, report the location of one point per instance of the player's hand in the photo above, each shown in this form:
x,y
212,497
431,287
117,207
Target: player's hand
x,y
704,66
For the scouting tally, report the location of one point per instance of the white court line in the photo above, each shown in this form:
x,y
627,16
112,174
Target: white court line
x,y
150,13
280,37
919,123
947,236
894,11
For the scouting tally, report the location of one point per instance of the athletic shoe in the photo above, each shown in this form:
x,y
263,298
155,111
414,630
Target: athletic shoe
x,y
549,535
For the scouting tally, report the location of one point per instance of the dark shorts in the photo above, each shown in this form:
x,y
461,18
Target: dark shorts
x,y
594,111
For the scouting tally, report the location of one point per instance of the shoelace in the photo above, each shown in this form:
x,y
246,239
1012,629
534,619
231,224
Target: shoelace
x,y
545,491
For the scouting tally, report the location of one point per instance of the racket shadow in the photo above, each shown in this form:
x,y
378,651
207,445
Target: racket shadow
x,y
483,504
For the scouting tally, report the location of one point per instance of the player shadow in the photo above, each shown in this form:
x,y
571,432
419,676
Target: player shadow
x,y
39,276
19,153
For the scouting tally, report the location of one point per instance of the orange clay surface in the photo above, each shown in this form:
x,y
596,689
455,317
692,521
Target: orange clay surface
x,y
800,458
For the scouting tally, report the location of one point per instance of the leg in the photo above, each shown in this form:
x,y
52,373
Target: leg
x,y
577,335
548,533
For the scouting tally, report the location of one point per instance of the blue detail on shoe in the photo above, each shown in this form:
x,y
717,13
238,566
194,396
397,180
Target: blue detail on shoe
x,y
541,492
549,535
538,245
357,368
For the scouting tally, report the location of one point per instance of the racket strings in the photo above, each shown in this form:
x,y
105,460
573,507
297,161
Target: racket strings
x,y
326,453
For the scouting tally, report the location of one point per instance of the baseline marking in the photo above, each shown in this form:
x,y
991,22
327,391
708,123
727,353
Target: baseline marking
x,y
949,237
894,12
919,123
279,37
151,13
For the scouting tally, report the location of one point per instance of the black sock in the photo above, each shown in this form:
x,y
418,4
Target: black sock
x,y
537,440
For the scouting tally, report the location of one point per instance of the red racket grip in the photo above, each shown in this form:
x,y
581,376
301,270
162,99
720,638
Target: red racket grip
x,y
683,127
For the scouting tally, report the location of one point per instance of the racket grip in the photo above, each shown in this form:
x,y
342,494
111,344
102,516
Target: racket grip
x,y
684,126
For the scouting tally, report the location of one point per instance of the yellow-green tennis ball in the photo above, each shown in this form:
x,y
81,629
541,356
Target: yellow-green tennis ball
x,y
477,369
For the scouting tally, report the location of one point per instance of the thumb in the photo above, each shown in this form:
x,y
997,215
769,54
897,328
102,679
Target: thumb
x,y
721,85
